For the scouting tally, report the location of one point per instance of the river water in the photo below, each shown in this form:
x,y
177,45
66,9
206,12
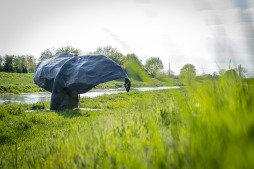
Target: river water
x,y
45,96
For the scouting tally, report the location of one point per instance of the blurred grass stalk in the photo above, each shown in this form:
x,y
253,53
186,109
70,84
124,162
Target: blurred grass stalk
x,y
220,123
136,71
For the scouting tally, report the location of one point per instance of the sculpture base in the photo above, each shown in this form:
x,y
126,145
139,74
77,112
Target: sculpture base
x,y
61,100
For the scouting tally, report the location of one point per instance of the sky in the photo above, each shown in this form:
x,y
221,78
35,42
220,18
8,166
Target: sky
x,y
210,34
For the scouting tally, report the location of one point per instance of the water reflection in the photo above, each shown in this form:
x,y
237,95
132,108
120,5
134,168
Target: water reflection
x,y
25,98
45,96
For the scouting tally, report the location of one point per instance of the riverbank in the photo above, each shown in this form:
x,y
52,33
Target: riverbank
x,y
23,83
30,98
18,83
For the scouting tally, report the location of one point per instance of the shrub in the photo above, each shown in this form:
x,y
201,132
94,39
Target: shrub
x,y
36,106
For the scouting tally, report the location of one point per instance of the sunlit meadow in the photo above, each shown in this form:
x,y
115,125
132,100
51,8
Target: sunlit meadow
x,y
202,125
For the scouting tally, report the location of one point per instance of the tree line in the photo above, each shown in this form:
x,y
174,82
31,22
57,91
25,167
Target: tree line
x,y
27,64
129,62
17,64
152,66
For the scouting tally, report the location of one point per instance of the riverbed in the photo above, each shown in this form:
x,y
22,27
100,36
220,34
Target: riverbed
x,y
30,98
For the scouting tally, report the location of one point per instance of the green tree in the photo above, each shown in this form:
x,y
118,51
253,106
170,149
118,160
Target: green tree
x,y
188,71
23,64
117,57
153,65
110,52
106,50
46,54
31,63
68,49
20,64
8,63
65,49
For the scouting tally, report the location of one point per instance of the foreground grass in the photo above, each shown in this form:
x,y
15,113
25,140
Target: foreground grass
x,y
38,131
203,126
24,83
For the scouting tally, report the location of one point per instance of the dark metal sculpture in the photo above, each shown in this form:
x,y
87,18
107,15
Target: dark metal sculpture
x,y
67,75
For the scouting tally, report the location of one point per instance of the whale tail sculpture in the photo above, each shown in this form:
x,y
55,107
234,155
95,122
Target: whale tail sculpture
x,y
67,75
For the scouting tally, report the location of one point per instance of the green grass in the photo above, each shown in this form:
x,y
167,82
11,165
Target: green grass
x,y
204,125
24,83
18,83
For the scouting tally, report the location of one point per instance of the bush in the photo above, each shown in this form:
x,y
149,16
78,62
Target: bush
x,y
36,106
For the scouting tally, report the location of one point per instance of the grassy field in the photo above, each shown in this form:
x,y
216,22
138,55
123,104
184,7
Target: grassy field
x,y
18,83
204,125
23,83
